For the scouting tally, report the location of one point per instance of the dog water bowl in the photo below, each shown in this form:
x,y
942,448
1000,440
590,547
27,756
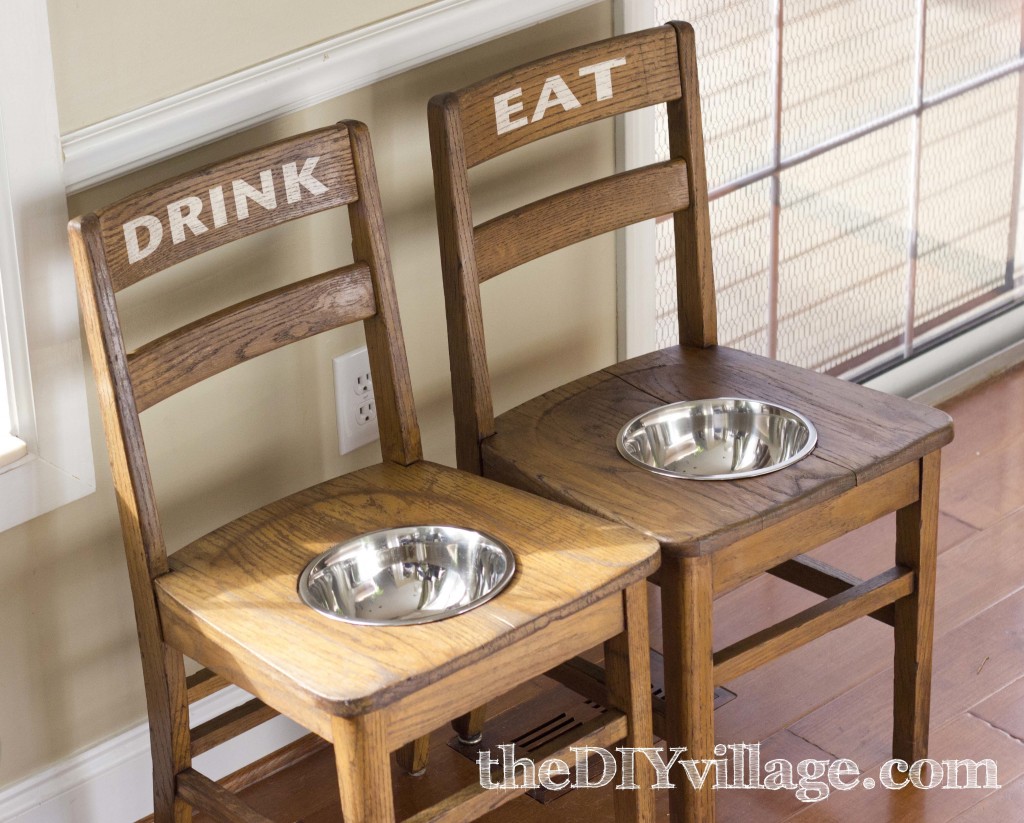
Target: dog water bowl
x,y
414,574
725,438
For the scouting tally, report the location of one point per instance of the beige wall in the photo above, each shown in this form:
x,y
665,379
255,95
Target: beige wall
x,y
68,656
111,56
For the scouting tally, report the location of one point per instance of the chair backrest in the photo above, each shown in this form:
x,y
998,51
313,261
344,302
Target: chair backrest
x,y
145,233
524,104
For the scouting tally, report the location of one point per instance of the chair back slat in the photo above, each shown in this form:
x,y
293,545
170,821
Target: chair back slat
x,y
565,218
474,124
294,312
180,218
566,90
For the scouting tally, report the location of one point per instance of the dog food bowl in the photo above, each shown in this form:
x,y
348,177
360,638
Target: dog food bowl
x,y
725,438
408,575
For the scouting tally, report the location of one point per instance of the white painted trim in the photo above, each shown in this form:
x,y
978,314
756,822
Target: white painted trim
x,y
40,312
111,782
636,262
295,81
960,364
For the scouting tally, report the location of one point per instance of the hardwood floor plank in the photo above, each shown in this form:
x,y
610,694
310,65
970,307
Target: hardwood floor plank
x,y
963,737
971,663
1003,805
1005,709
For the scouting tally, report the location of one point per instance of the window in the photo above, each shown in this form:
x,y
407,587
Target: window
x,y
42,375
864,161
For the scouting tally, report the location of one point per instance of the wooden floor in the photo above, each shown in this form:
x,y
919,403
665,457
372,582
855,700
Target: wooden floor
x,y
832,698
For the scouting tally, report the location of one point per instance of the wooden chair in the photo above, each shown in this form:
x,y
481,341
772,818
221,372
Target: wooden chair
x,y
876,454
229,600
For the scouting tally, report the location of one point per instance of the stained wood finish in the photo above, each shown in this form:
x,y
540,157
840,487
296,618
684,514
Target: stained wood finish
x,y
216,802
916,540
564,219
206,347
648,75
230,724
821,578
229,600
333,170
714,536
842,708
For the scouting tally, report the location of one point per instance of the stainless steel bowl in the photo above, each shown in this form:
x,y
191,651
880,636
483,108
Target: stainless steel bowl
x,y
725,438
402,576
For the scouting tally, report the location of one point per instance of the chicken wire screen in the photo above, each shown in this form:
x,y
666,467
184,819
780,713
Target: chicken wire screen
x,y
895,174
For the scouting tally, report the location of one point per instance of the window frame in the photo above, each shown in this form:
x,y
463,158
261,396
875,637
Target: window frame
x,y
38,306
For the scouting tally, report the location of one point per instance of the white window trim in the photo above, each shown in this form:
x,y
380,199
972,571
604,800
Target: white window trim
x,y
39,311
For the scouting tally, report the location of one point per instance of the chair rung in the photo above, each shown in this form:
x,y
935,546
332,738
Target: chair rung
x,y
203,683
587,679
825,580
214,800
230,724
812,623
274,762
474,800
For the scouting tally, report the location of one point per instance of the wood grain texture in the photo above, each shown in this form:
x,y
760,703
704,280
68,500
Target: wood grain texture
x,y
229,601
488,678
695,279
562,219
628,679
810,624
364,775
230,724
860,429
686,596
203,683
562,445
748,556
821,578
333,170
286,315
916,539
648,76
163,669
233,591
392,385
216,802
467,351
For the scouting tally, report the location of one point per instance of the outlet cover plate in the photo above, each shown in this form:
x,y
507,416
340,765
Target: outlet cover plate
x,y
353,394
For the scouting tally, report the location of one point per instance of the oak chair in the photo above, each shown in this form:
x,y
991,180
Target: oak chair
x,y
229,599
876,454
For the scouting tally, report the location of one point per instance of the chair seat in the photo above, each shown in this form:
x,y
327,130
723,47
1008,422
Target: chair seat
x,y
562,444
238,585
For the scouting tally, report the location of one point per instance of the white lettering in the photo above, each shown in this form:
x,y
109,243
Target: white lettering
x,y
293,180
190,218
603,76
504,109
220,214
131,237
549,770
608,767
554,91
265,195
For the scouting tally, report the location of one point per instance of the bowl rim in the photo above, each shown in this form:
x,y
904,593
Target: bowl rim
x,y
302,584
806,449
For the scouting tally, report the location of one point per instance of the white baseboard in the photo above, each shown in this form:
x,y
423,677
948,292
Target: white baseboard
x,y
111,782
295,81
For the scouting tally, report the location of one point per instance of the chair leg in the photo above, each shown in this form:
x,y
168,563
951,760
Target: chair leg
x,y
364,771
170,742
414,756
916,532
686,603
628,675
470,726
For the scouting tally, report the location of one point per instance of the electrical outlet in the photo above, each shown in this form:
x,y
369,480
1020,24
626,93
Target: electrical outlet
x,y
353,393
